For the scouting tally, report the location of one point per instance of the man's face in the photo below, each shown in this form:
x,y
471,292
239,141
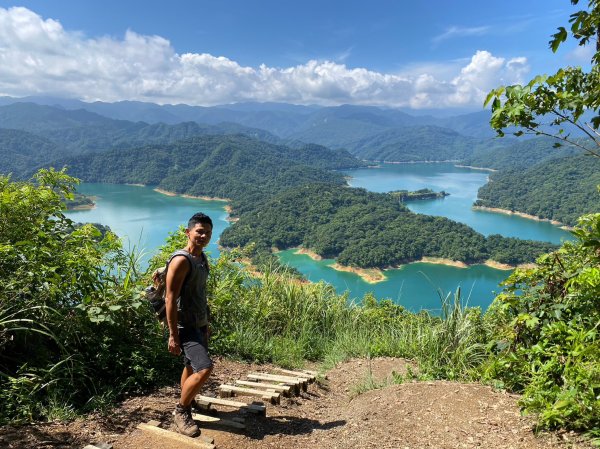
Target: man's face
x,y
200,234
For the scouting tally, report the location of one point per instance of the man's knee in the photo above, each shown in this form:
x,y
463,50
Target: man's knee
x,y
205,372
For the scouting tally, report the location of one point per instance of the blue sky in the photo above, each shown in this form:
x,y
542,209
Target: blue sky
x,y
444,54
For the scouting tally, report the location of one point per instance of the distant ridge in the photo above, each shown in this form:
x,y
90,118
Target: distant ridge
x,y
295,122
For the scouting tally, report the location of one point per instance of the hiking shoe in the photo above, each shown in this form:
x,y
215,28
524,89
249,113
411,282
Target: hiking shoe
x,y
184,422
203,409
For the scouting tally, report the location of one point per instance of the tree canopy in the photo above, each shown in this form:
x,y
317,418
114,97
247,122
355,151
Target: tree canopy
x,y
565,101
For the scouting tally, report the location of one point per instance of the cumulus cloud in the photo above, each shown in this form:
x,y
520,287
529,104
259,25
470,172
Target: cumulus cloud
x,y
38,56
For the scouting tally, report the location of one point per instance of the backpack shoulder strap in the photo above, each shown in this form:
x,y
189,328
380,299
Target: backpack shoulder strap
x,y
188,256
205,261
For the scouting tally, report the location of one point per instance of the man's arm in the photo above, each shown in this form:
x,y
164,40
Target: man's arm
x,y
176,273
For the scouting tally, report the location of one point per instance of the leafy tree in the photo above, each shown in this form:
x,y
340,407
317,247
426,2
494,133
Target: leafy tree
x,y
553,105
547,318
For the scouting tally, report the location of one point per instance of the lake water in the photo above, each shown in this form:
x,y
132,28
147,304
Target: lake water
x,y
462,184
144,218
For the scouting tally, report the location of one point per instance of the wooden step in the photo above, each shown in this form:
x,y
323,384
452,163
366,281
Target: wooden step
x,y
207,401
218,421
302,375
288,380
284,389
194,442
229,390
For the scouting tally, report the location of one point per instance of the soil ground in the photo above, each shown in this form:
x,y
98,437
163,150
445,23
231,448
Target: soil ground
x,y
333,413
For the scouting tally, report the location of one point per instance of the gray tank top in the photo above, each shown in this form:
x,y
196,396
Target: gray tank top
x,y
192,305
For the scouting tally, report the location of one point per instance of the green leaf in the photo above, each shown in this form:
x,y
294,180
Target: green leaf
x,y
558,38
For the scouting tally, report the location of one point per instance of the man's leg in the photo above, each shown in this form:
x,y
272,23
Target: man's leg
x,y
187,372
198,367
192,384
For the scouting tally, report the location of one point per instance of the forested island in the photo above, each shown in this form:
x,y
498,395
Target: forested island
x,y
79,201
421,194
367,230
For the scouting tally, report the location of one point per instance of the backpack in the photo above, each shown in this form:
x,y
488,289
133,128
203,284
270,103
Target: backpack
x,y
155,294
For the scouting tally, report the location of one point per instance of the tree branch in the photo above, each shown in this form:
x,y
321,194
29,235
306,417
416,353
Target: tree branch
x,y
564,139
574,123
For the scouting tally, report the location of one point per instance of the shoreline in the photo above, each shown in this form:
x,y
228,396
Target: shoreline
x,y
414,162
309,253
185,195
442,261
523,215
375,275
472,167
369,275
82,207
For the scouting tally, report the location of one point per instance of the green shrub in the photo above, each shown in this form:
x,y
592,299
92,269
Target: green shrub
x,y
547,341
71,329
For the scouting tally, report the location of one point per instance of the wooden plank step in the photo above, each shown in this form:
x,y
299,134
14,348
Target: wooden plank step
x,y
302,375
201,437
294,387
283,379
288,380
207,401
273,397
219,421
284,389
195,442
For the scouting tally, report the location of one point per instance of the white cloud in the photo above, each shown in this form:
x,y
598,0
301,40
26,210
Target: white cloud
x,y
39,56
455,31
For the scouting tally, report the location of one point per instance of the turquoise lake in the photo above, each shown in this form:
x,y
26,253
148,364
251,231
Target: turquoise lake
x,y
144,218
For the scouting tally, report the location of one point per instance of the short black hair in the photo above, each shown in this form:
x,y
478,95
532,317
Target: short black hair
x,y
199,217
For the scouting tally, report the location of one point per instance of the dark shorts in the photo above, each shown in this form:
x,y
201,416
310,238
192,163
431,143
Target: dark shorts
x,y
195,349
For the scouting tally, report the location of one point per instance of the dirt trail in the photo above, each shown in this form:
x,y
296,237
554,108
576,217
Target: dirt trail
x,y
329,415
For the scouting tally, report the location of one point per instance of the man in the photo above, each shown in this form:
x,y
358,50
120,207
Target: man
x,y
187,317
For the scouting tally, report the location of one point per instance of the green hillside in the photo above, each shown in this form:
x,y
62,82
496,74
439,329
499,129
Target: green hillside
x,y
79,131
243,169
420,143
21,151
516,154
561,189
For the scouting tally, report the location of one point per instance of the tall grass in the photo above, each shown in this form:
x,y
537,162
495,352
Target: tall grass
x,y
277,318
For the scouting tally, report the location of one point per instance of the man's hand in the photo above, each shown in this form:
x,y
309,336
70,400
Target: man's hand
x,y
174,347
